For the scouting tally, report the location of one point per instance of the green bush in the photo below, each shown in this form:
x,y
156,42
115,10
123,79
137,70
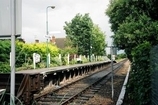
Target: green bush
x,y
138,87
73,62
42,64
120,56
4,67
84,59
25,66
56,61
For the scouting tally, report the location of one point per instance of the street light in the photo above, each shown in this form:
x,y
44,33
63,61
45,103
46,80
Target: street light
x,y
47,18
47,32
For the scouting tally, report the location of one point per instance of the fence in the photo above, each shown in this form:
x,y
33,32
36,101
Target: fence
x,y
154,75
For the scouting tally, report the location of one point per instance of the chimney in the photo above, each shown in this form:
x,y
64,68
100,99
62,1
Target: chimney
x,y
21,40
53,40
36,41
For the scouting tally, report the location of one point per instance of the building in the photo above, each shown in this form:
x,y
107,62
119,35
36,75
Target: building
x,y
59,42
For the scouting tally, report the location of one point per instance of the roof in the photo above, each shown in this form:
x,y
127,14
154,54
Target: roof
x,y
60,42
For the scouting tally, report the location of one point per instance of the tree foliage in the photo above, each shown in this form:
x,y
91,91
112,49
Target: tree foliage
x,y
5,50
26,50
24,53
84,35
69,47
139,89
5,55
135,27
98,41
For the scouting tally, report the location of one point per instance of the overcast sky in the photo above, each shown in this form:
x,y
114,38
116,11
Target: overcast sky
x,y
34,17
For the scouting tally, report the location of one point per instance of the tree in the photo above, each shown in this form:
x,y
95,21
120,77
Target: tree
x,y
84,36
98,41
79,31
134,24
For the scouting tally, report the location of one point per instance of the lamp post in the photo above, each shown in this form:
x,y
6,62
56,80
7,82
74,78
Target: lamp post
x,y
90,47
47,32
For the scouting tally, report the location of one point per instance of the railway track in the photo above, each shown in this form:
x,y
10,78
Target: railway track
x,y
78,92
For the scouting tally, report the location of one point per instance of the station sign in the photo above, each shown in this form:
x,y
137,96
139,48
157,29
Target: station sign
x,y
36,57
6,16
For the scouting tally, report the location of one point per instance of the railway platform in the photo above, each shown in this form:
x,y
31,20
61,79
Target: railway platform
x,y
2,91
30,82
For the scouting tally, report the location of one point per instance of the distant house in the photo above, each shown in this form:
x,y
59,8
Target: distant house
x,y
21,40
59,42
36,41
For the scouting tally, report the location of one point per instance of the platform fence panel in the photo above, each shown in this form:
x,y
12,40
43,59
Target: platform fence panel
x,y
154,75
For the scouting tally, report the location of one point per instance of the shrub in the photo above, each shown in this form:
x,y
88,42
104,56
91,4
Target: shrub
x,y
4,67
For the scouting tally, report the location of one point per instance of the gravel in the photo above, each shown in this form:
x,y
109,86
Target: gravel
x,y
103,97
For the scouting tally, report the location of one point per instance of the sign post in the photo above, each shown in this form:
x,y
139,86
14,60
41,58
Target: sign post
x,y
68,57
36,59
112,74
12,88
10,27
10,17
113,52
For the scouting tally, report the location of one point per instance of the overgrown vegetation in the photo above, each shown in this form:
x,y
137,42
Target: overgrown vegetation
x,y
84,39
134,24
24,54
120,56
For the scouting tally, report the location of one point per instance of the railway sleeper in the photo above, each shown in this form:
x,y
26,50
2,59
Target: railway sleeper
x,y
93,90
53,100
60,96
78,102
47,103
96,88
90,92
87,95
83,98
